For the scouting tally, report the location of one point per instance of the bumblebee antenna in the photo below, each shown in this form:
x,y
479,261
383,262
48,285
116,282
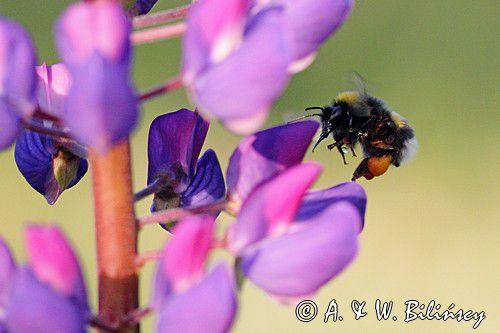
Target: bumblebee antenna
x,y
314,108
307,116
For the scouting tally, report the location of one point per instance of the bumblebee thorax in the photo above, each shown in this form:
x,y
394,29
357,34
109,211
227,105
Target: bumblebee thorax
x,y
352,98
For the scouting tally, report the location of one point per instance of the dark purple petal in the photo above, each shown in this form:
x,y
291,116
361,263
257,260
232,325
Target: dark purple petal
x,y
311,22
53,262
214,29
241,89
264,154
10,124
207,185
7,270
54,83
141,7
93,40
17,68
35,307
317,201
209,306
271,207
174,144
35,155
297,264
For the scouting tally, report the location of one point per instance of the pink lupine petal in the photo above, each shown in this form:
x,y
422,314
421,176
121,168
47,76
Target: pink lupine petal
x,y
100,26
209,306
264,154
53,261
241,89
271,207
186,253
54,83
299,263
215,29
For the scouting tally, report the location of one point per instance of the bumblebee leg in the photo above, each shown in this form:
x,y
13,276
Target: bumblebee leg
x,y
361,170
339,148
332,145
353,152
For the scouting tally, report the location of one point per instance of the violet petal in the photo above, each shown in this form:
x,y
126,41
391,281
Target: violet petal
x,y
241,101
17,68
263,154
7,270
311,22
320,251
35,307
207,186
93,40
316,201
10,124
212,302
101,107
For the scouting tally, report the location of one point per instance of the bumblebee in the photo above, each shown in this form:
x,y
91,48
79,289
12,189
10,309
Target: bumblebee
x,y
356,117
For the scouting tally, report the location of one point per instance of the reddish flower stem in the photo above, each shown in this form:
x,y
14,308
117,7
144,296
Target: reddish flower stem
x,y
38,127
172,84
155,34
116,235
145,257
161,17
174,214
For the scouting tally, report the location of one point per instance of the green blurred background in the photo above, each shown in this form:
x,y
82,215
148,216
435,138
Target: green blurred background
x,y
432,226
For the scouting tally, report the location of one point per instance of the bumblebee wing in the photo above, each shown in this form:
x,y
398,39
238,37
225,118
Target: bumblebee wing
x,y
359,82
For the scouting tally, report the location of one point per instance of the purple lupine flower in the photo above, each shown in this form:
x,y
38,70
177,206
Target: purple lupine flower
x,y
141,7
50,165
182,289
261,156
175,141
276,223
235,63
93,40
310,23
17,80
48,293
